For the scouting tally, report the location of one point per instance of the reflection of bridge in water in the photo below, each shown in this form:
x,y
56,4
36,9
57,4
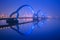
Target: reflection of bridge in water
x,y
11,21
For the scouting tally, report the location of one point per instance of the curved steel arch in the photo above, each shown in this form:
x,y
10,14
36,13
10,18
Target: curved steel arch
x,y
35,18
21,8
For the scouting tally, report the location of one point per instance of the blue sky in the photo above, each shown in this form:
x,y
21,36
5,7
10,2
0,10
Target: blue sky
x,y
48,6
